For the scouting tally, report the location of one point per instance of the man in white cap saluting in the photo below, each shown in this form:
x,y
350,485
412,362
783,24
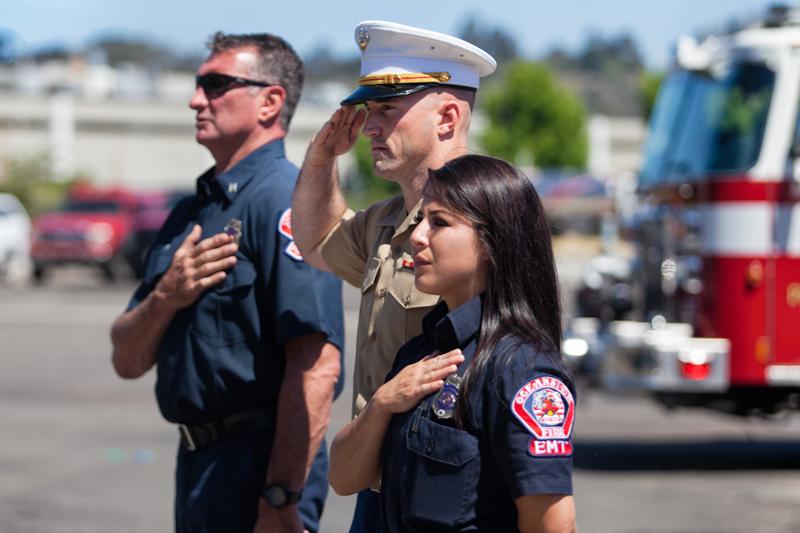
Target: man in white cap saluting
x,y
418,88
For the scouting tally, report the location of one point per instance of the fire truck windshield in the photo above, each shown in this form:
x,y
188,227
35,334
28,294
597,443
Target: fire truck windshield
x,y
707,123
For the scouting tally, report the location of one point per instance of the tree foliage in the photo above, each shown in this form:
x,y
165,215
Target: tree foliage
x,y
121,50
533,118
494,40
649,84
600,54
606,72
322,66
29,179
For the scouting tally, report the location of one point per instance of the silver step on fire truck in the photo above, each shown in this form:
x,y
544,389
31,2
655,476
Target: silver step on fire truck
x,y
708,312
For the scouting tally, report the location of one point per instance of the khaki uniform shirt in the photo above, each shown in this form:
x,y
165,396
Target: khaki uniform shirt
x,y
370,249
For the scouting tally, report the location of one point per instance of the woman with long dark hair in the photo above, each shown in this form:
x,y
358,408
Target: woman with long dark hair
x,y
472,430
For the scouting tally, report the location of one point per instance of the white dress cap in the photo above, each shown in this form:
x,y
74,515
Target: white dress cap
x,y
397,60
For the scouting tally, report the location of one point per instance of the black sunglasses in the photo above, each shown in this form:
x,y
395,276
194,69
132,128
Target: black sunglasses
x,y
215,84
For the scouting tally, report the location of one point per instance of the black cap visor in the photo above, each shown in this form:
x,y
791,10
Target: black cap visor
x,y
368,93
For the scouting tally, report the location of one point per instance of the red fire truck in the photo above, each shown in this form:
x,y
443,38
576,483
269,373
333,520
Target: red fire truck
x,y
709,312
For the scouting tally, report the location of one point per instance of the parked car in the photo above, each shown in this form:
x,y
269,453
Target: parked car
x,y
152,210
91,228
15,230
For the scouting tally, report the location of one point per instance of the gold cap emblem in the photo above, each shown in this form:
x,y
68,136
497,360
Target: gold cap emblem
x,y
363,37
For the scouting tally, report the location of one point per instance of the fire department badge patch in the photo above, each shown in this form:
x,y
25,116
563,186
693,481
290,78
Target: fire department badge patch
x,y
293,251
546,408
285,224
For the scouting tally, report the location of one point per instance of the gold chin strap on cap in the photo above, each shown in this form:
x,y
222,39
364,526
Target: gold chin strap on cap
x,y
399,79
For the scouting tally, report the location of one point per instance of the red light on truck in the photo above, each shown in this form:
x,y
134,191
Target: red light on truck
x,y
754,275
695,371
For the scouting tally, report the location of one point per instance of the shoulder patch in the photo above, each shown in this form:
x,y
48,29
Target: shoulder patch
x,y
293,251
546,408
285,224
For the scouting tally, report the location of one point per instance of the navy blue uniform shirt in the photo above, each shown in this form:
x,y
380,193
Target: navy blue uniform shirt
x,y
437,476
224,354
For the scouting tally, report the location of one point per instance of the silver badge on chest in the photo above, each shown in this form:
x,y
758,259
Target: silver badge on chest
x,y
234,229
444,403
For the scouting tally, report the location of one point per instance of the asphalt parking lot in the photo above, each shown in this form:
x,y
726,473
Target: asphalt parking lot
x,y
83,451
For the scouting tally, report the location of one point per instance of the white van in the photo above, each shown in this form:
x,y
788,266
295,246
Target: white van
x,y
15,232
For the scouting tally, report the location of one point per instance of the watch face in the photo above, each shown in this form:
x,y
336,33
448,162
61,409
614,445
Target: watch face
x,y
275,495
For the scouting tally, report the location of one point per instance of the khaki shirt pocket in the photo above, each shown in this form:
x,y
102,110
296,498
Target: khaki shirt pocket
x,y
412,303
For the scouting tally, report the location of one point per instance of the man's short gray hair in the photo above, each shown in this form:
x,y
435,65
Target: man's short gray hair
x,y
277,64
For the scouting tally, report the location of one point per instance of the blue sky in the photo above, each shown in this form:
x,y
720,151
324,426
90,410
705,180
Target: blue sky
x,y
535,24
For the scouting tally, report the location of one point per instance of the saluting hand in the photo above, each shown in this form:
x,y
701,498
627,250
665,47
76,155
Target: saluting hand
x,y
414,382
195,267
336,136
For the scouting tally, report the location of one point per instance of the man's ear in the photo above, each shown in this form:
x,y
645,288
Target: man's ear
x,y
271,100
450,117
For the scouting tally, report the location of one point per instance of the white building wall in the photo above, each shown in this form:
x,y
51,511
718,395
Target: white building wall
x,y
141,144
615,144
150,143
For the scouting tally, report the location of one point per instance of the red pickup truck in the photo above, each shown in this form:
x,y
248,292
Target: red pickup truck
x,y
110,228
92,227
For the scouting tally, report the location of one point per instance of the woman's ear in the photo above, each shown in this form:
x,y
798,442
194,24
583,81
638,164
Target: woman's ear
x,y
271,100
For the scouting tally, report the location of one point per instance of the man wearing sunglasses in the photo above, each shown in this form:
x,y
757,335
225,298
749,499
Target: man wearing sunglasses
x,y
245,335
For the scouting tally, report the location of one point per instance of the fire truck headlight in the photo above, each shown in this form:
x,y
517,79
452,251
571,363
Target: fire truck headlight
x,y
695,356
692,286
668,269
575,347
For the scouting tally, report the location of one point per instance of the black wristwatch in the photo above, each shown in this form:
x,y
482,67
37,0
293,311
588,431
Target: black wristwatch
x,y
278,495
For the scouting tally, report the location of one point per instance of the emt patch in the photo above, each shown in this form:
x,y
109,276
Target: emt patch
x,y
285,224
546,408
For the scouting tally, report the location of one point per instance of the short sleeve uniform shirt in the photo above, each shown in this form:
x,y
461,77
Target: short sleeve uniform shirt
x,y
224,354
370,250
517,440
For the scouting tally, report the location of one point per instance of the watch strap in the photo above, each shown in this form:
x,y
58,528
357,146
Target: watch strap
x,y
277,495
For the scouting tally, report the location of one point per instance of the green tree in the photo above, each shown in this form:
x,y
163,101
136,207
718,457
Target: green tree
x,y
322,66
495,40
29,180
121,50
605,72
534,119
649,84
